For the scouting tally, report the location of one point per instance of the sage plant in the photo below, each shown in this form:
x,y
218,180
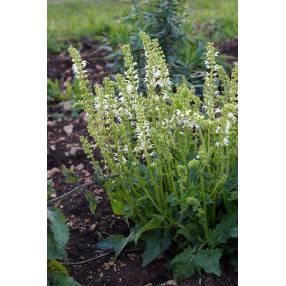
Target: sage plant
x,y
169,158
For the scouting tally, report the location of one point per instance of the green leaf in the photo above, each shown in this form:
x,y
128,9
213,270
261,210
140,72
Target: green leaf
x,y
117,207
92,202
59,228
151,224
234,232
70,176
50,189
183,264
226,229
115,242
209,260
60,279
53,252
156,245
56,266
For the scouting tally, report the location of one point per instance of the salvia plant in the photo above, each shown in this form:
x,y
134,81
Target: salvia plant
x,y
169,158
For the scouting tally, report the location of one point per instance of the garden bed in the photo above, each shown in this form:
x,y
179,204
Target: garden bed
x,y
87,229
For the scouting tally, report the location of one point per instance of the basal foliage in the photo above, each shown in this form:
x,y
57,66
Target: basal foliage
x,y
169,158
58,236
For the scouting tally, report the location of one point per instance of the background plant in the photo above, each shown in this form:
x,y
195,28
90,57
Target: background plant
x,y
164,20
169,158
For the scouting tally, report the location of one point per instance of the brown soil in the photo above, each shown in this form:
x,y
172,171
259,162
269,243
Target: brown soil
x,y
87,229
229,48
60,65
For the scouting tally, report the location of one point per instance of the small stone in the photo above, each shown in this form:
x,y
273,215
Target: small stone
x,y
74,150
51,123
53,195
68,129
171,283
79,167
53,147
67,105
61,139
100,274
92,227
52,171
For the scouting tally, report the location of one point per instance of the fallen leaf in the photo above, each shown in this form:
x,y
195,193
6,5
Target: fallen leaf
x,y
92,227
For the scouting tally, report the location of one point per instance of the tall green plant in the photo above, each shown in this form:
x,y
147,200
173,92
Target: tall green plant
x,y
164,20
170,158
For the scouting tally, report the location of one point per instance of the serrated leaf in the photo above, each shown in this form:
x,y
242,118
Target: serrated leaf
x,y
183,264
186,256
115,242
222,232
59,228
156,245
184,270
208,259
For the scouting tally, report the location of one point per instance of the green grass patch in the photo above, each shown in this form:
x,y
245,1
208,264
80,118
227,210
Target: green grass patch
x,y
205,19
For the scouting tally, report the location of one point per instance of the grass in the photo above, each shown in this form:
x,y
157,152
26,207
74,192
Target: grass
x,y
75,18
213,20
206,19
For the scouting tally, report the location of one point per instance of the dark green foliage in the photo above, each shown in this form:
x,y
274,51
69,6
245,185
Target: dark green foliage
x,y
163,20
157,243
115,242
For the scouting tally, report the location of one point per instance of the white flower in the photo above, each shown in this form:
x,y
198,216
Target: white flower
x,y
225,141
75,69
217,110
129,88
230,115
227,127
204,108
156,73
217,54
217,129
217,143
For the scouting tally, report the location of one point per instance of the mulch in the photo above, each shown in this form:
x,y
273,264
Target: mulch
x,y
87,229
